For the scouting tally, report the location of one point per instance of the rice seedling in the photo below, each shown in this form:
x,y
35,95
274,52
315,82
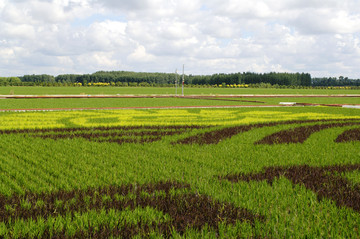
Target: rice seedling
x,y
230,173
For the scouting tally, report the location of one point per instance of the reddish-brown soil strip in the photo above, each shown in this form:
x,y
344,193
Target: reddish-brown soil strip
x,y
349,135
324,181
186,210
299,134
173,96
214,137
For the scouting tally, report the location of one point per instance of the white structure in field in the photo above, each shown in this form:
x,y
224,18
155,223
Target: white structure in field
x,y
287,103
351,106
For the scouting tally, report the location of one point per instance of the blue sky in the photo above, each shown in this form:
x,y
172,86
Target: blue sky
x,y
55,37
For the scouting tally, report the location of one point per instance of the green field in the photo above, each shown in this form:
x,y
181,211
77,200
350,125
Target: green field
x,y
21,90
162,102
193,173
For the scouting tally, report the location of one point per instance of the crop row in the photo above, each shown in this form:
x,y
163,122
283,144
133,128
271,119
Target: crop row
x,y
349,135
120,135
295,135
147,134
324,181
186,209
203,179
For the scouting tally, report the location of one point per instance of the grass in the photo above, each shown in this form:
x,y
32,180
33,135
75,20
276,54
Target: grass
x,y
169,185
112,102
19,90
155,102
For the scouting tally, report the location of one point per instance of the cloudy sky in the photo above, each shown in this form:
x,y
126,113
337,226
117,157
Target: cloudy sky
x,y
55,37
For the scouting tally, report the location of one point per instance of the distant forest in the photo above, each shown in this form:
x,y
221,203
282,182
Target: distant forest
x,y
126,78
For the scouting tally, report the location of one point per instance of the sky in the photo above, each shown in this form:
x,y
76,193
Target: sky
x,y
320,37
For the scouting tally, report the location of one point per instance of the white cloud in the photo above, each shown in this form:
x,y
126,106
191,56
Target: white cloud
x,y
241,8
140,55
106,36
21,31
99,59
81,36
326,21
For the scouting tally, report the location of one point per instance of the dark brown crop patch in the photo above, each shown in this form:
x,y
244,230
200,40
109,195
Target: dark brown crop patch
x,y
348,136
324,181
121,128
148,134
299,134
216,136
120,135
186,210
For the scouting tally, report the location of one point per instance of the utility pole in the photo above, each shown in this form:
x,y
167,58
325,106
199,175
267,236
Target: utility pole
x,y
183,80
176,81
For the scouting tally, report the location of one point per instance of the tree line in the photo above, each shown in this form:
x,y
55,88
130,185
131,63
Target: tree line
x,y
127,78
333,81
287,79
10,81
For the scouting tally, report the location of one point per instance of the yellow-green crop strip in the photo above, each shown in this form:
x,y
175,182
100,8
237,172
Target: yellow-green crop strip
x,y
183,173
220,117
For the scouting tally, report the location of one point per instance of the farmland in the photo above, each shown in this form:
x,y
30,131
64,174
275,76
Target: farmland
x,y
33,90
117,97
246,172
163,102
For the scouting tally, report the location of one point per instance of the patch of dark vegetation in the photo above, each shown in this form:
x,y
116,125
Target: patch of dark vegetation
x,y
124,128
216,136
186,210
299,134
148,134
120,135
348,136
324,181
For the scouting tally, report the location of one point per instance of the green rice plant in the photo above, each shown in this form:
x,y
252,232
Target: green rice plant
x,y
69,176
